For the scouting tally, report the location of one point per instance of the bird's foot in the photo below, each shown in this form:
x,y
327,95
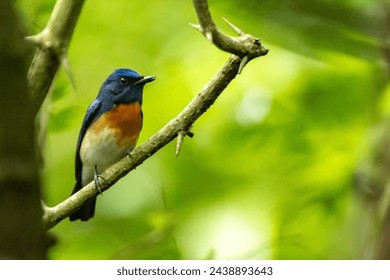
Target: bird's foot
x,y
96,179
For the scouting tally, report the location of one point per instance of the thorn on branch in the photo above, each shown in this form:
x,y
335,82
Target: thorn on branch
x,y
209,36
36,40
65,63
197,27
40,40
52,42
235,28
45,41
243,62
180,138
43,204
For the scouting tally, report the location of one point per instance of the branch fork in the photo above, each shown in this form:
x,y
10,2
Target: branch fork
x,y
245,45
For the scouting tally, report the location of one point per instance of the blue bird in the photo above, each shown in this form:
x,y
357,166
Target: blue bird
x,y
110,130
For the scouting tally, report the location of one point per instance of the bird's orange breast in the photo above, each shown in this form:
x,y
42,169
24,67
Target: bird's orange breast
x,y
125,121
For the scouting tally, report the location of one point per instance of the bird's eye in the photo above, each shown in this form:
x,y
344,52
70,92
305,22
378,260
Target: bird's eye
x,y
124,80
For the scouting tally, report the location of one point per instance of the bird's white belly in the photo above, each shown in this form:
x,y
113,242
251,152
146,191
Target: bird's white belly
x,y
100,150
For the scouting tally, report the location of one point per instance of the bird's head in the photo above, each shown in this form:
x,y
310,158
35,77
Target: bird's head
x,y
124,86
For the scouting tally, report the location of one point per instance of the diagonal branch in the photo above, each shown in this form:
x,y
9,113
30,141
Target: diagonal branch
x,y
52,42
198,106
180,125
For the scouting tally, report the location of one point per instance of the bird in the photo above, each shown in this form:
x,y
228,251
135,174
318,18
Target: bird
x,y
109,131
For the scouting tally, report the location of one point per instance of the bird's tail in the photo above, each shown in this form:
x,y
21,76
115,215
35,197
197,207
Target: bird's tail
x,y
87,211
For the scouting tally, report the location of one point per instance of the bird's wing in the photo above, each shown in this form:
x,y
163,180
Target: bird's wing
x,y
92,114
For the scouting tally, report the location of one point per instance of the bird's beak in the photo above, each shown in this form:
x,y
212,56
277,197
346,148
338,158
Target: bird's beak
x,y
145,80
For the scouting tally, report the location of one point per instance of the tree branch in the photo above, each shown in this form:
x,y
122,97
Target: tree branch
x,y
181,122
180,125
52,42
245,45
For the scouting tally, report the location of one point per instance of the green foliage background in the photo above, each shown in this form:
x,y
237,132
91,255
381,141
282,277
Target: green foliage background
x,y
270,171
